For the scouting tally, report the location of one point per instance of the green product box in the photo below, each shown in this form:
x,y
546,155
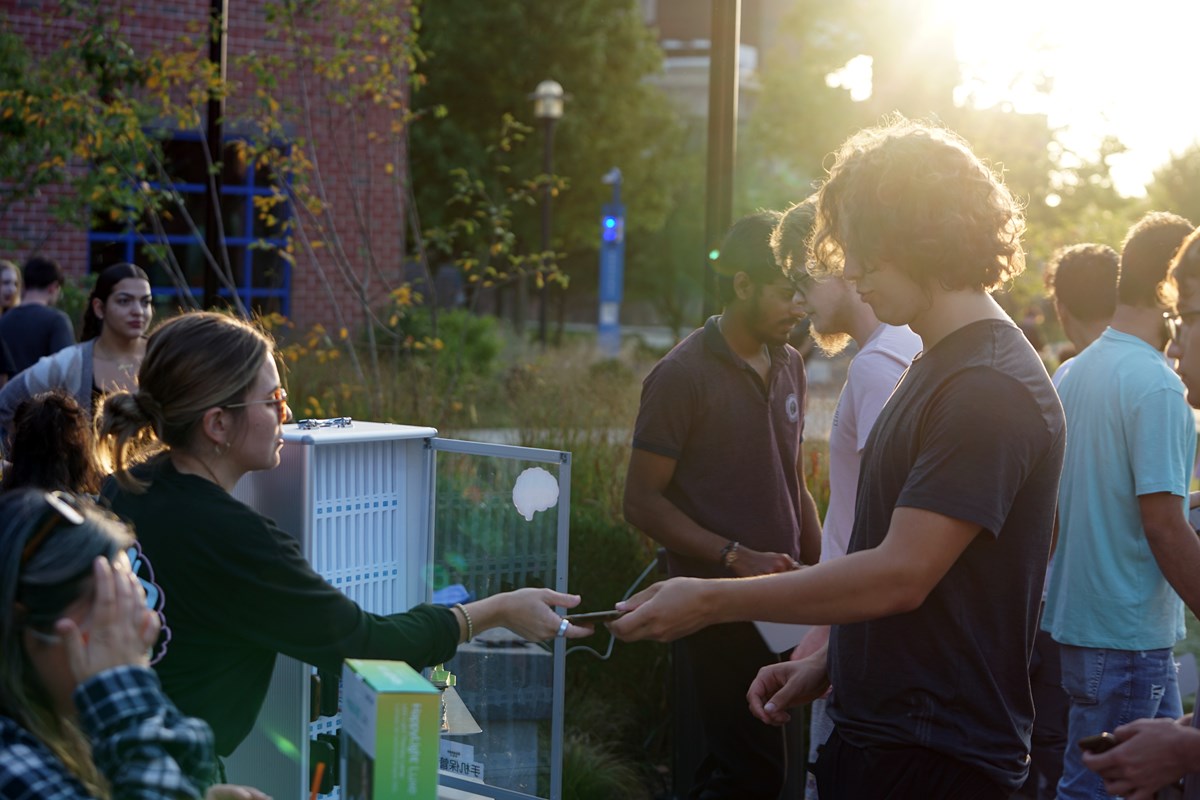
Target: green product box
x,y
390,732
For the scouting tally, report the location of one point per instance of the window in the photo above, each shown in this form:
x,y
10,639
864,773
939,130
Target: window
x,y
262,275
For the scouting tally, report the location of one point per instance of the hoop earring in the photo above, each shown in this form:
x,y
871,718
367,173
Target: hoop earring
x,y
220,450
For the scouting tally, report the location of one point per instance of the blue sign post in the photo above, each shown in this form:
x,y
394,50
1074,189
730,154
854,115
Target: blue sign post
x,y
612,269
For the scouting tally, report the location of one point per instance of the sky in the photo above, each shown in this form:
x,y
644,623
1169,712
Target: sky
x,y
1128,70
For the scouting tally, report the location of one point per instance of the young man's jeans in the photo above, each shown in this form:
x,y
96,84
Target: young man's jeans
x,y
1109,688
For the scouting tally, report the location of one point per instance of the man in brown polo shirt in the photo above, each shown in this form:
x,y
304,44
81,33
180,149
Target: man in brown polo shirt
x,y
715,476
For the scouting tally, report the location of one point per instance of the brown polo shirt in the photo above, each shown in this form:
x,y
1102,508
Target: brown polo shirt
x,y
736,441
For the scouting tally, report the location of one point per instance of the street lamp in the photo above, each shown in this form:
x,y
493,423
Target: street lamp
x,y
548,107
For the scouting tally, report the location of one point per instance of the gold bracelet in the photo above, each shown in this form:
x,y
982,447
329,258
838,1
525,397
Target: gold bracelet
x,y
467,617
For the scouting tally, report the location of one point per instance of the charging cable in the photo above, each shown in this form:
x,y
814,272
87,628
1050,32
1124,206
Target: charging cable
x,y
612,640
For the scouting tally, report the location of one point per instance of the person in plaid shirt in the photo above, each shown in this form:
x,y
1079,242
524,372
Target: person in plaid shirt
x,y
81,713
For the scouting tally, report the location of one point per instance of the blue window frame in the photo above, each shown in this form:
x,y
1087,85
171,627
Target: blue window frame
x,y
262,275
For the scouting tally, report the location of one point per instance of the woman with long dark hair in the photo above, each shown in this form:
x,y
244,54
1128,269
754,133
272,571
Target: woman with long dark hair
x,y
115,323
209,408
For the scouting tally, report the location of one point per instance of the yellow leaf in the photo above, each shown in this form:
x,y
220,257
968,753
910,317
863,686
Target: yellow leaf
x,y
389,168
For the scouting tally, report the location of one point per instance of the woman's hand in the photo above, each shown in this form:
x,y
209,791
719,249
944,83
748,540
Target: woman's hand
x,y
121,628
528,612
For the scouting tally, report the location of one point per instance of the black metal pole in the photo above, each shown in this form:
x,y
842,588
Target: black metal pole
x,y
722,135
217,54
547,196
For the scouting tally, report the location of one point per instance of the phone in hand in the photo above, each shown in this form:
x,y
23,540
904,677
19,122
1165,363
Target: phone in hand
x,y
1100,743
593,616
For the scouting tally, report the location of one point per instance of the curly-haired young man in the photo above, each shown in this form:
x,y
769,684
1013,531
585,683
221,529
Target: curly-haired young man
x,y
935,606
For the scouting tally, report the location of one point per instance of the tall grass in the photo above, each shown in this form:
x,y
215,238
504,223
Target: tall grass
x,y
618,713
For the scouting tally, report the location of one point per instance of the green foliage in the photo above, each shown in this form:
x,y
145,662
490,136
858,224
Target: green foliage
x,y
1176,185
593,771
72,300
478,232
623,701
473,340
798,118
94,102
612,117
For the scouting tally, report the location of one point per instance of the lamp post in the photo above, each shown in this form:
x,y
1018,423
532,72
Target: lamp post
x,y
548,107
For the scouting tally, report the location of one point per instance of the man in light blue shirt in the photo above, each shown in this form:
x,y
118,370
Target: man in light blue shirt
x,y
1125,549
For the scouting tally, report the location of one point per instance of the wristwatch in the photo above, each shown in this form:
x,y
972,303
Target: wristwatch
x,y
729,555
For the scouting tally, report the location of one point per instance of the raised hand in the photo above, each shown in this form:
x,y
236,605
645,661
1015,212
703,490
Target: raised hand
x,y
121,628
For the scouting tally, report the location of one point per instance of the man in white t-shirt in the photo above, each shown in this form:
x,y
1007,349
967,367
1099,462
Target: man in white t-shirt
x,y
837,315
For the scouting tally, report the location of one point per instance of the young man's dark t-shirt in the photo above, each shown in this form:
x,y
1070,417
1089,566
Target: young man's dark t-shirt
x,y
974,431
32,330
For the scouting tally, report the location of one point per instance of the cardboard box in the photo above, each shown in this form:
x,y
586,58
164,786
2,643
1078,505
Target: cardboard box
x,y
390,723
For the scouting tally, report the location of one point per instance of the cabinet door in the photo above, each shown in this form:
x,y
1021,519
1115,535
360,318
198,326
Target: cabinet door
x,y
499,521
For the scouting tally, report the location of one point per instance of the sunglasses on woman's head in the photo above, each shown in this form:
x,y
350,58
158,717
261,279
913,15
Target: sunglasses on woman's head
x,y
63,508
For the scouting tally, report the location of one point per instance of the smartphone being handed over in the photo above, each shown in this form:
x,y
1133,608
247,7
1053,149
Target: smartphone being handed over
x,y
593,616
1100,743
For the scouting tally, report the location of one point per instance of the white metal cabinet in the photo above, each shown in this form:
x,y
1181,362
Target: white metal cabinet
x,y
382,520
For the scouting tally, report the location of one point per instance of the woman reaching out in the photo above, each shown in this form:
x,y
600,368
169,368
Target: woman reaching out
x,y
208,409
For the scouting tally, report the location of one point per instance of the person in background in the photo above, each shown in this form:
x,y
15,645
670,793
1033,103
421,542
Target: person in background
x,y
1155,753
81,713
115,323
935,605
1081,281
10,286
52,446
716,477
208,408
34,328
837,316
1126,554
10,296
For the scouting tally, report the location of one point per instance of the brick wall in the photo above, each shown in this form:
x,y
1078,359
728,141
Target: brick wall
x,y
352,168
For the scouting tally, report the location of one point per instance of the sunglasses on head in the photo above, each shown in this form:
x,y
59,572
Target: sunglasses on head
x,y
64,508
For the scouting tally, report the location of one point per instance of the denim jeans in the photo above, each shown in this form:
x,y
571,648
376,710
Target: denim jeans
x,y
1109,688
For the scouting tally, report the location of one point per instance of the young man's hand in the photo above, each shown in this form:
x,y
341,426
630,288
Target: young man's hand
x,y
1152,753
666,611
785,685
